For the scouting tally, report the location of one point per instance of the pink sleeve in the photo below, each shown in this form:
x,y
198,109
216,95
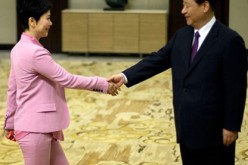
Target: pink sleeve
x,y
46,66
11,101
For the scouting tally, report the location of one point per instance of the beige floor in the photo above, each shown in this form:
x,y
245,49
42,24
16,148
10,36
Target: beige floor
x,y
134,128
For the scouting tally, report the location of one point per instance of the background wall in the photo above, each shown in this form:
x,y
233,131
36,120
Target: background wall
x,y
132,4
8,29
238,17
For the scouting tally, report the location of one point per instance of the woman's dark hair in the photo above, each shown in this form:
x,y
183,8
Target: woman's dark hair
x,y
213,3
32,8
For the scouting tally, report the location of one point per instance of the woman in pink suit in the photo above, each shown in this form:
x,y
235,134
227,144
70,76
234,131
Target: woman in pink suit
x,y
36,106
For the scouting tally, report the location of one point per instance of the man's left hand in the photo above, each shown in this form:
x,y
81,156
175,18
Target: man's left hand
x,y
229,137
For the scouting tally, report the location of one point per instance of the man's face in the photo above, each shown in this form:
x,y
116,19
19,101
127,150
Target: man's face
x,y
194,13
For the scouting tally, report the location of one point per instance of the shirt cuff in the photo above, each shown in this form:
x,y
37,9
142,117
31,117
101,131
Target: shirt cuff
x,y
125,78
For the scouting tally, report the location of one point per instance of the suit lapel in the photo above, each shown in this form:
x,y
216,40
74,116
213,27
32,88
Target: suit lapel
x,y
206,45
186,48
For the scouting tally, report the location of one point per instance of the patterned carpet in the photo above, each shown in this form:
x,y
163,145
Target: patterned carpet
x,y
134,128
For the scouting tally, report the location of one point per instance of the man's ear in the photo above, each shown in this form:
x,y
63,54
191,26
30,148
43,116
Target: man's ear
x,y
206,6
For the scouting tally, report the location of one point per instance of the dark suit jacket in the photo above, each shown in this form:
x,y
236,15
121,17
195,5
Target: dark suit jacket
x,y
209,94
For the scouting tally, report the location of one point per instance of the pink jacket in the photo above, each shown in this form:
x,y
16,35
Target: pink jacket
x,y
36,99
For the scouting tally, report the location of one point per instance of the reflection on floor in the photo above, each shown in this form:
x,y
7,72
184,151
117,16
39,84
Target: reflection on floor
x,y
134,128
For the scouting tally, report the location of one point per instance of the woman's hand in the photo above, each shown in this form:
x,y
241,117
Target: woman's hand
x,y
113,89
9,134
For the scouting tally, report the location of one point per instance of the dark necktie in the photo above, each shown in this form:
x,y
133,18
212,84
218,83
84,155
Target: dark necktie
x,y
195,46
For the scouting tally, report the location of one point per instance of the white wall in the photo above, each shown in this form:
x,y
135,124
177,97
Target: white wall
x,y
132,4
238,18
8,29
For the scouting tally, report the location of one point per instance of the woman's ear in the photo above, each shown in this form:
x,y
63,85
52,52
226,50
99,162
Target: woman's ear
x,y
31,22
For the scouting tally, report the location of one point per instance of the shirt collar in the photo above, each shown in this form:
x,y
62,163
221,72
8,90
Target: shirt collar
x,y
206,28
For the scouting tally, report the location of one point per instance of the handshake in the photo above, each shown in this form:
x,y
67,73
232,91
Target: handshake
x,y
115,82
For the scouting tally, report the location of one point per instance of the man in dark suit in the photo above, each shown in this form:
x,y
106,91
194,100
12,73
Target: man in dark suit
x,y
209,87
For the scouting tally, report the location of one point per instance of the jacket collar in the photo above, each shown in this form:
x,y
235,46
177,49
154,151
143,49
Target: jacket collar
x,y
28,38
206,45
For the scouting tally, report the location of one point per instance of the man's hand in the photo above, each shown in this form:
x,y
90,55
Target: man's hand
x,y
118,79
229,137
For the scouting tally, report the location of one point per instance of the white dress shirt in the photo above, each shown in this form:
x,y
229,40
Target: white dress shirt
x,y
204,31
